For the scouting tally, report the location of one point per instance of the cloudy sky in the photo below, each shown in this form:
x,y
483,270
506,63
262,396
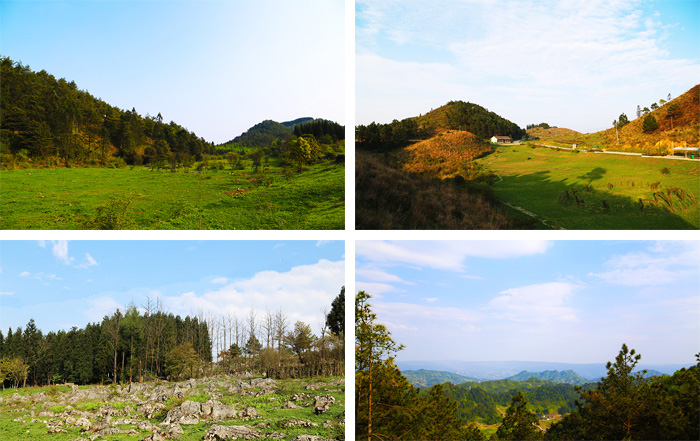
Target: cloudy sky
x,y
62,284
556,301
575,64
214,67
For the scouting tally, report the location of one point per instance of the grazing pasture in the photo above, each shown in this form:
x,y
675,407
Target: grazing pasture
x,y
139,198
598,191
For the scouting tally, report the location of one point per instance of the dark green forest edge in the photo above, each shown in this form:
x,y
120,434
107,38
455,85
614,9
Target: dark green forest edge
x,y
48,123
144,371
622,405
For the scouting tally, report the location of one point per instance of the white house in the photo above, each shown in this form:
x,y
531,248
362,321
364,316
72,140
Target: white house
x,y
501,139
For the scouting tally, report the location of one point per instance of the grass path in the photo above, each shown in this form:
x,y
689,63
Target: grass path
x,y
538,180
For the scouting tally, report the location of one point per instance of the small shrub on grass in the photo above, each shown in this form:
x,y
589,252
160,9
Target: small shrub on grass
x,y
665,171
112,215
52,391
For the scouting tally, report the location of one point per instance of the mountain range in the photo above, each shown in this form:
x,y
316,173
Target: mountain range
x,y
495,370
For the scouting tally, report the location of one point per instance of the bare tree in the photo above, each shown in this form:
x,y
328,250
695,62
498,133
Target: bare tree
x,y
268,326
281,325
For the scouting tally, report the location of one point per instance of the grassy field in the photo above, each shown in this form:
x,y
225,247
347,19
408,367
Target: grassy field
x,y
137,198
268,407
543,181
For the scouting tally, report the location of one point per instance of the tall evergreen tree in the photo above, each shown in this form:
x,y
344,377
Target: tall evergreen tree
x,y
519,423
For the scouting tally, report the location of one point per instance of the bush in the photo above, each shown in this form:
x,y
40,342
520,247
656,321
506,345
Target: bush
x,y
665,171
112,215
650,124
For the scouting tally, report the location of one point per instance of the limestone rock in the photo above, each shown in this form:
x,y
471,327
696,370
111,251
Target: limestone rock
x,y
218,432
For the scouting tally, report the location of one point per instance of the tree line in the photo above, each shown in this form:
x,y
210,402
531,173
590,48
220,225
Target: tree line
x,y
394,134
52,122
622,405
125,346
323,130
480,121
140,344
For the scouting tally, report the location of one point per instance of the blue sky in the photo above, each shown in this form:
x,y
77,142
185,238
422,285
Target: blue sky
x,y
556,301
214,67
62,284
574,64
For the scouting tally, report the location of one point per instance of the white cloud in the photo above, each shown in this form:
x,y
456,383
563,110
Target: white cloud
x,y
24,274
42,243
302,293
89,261
415,55
100,307
219,280
425,317
375,289
378,275
539,302
6,293
60,251
430,299
661,264
447,255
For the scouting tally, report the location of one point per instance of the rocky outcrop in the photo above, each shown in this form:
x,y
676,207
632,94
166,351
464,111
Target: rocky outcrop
x,y
322,403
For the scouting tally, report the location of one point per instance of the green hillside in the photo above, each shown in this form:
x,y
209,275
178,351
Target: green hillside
x,y
262,134
567,376
427,378
478,401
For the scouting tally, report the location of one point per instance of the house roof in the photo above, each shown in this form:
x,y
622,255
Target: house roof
x,y
501,137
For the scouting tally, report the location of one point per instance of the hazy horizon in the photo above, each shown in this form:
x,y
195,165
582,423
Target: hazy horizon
x,y
569,301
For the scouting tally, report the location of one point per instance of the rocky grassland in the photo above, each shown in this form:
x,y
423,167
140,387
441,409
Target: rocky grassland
x,y
210,409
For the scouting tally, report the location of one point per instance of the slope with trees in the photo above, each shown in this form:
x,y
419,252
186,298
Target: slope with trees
x,y
51,122
387,406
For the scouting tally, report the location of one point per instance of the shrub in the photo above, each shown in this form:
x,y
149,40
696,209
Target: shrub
x,y
112,215
650,124
665,171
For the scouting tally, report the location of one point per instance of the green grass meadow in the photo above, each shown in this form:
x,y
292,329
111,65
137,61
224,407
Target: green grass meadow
x,y
537,179
138,198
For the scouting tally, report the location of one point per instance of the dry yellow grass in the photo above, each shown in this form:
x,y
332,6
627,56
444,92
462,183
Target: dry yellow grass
x,y
446,155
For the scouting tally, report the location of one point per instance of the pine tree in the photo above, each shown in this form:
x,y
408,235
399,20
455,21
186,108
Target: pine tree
x,y
650,124
519,423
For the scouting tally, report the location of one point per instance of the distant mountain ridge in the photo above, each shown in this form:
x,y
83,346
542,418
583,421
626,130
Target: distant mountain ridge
x,y
268,131
428,378
496,370
567,377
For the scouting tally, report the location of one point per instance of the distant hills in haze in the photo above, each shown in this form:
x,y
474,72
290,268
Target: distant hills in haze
x,y
496,370
568,377
426,378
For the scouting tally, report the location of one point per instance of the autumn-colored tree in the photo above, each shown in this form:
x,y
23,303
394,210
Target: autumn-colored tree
x,y
182,360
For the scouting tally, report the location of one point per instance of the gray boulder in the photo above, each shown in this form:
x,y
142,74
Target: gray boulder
x,y
218,432
174,431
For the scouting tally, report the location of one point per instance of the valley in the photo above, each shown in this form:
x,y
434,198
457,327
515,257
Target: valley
x,y
71,161
439,171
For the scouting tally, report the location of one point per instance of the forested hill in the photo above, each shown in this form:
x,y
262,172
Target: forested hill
x,y
268,132
427,378
51,122
478,401
567,376
294,122
455,115
458,115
